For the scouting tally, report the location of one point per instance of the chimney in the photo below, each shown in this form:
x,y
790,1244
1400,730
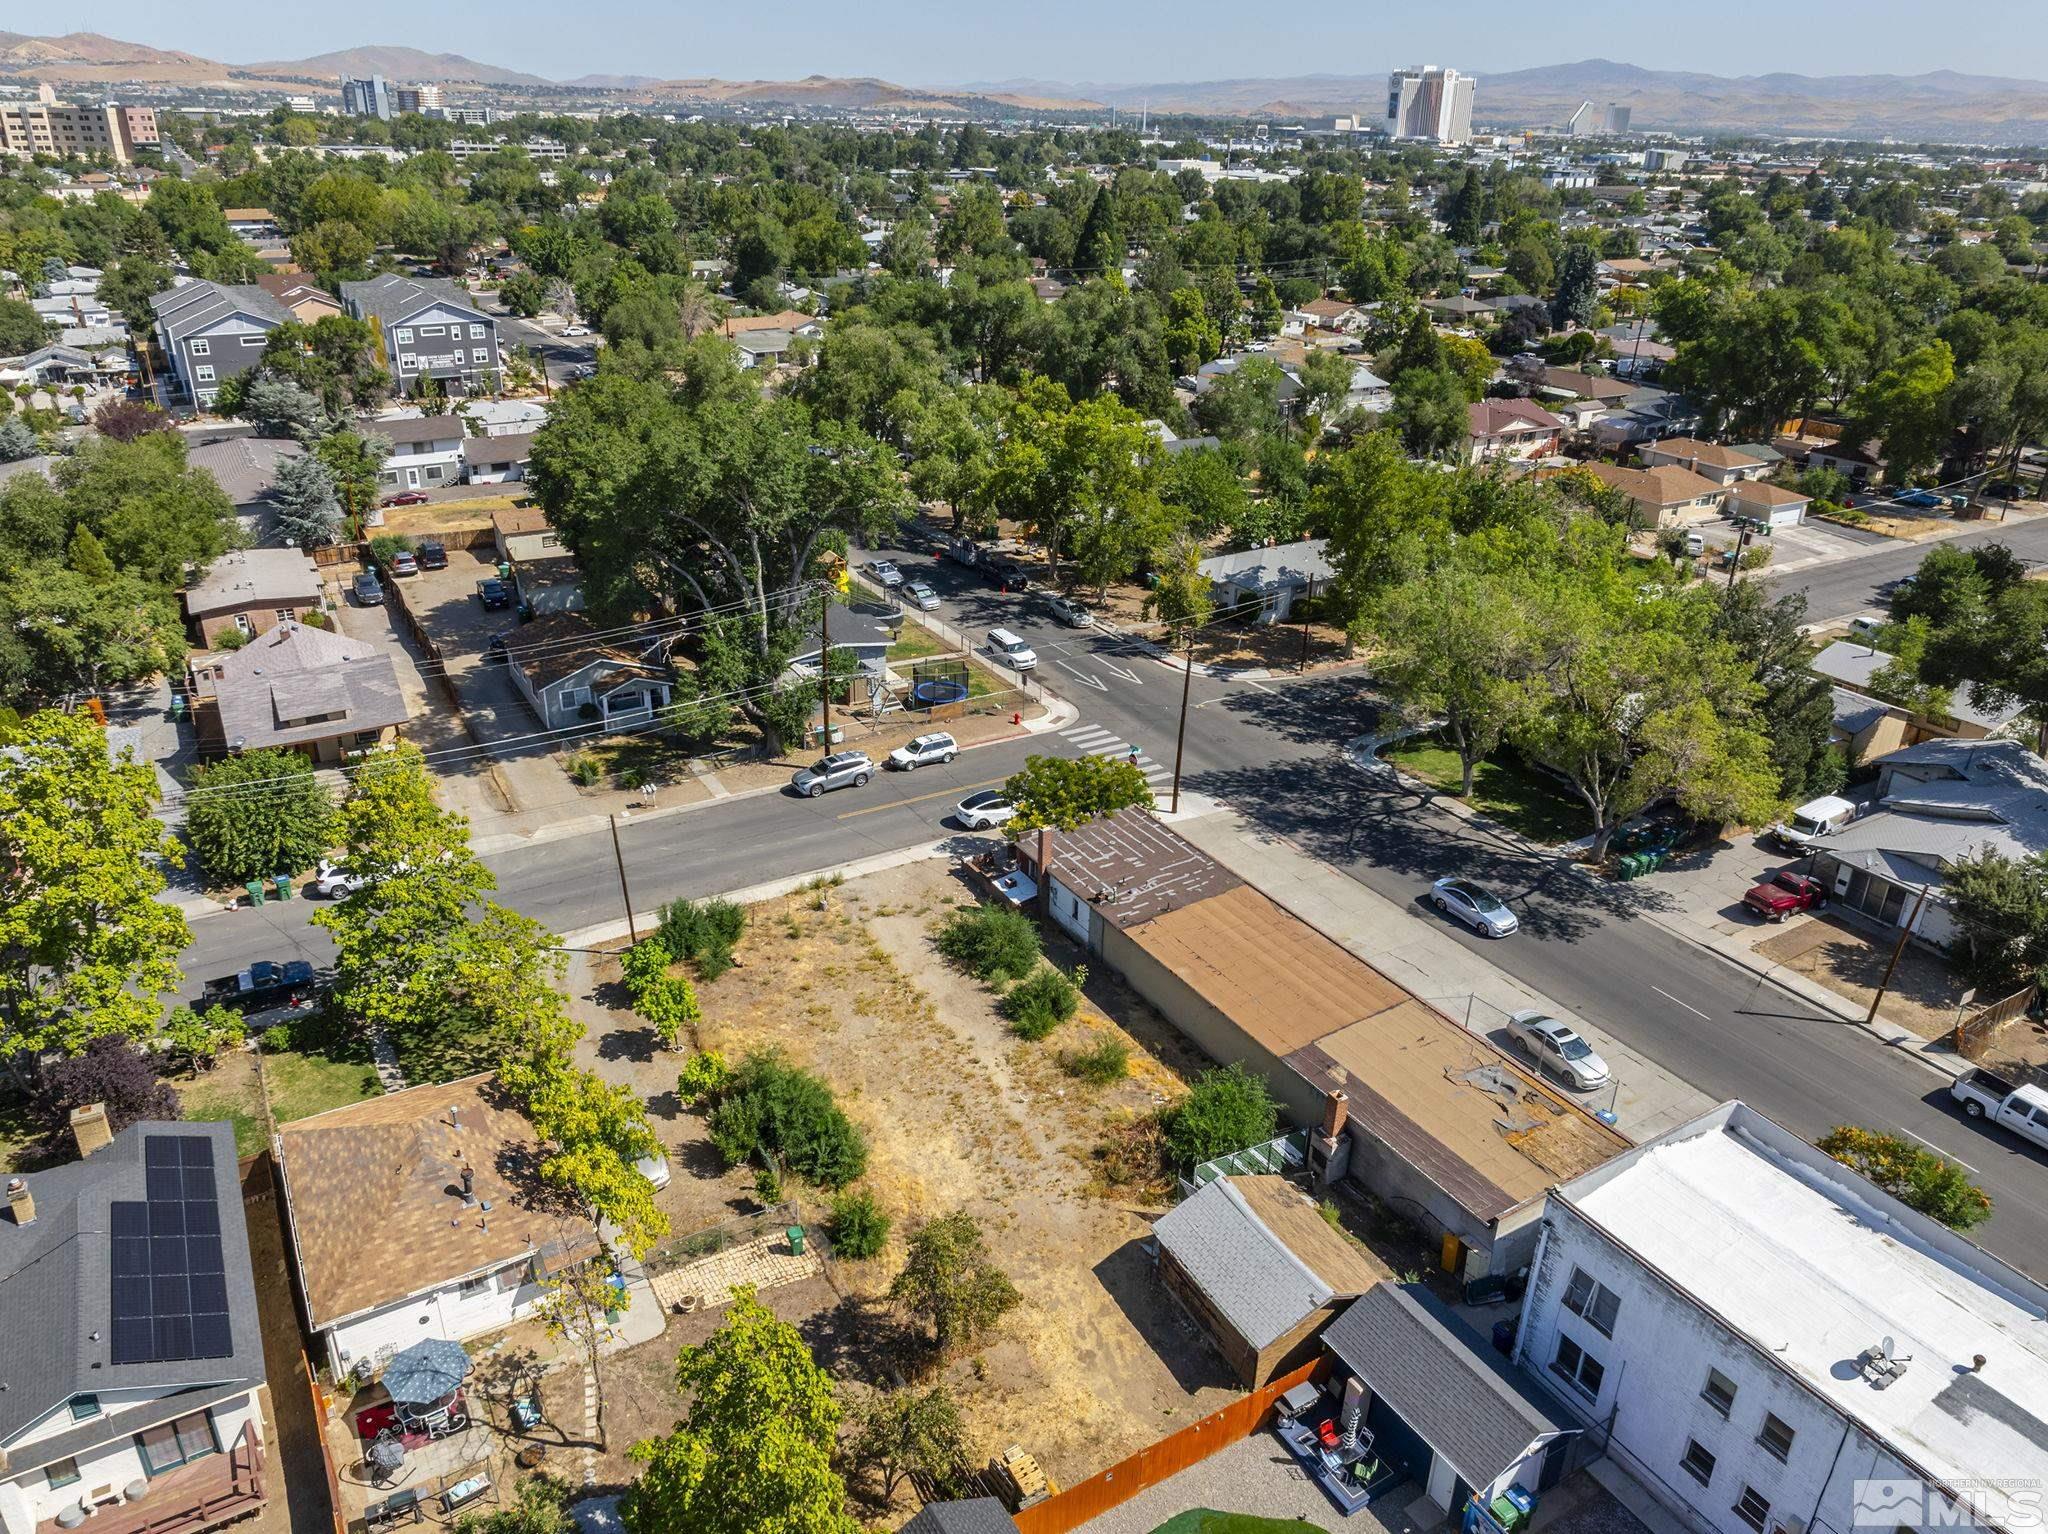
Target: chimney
x,y
468,1183
20,1202
1336,1108
1043,857
89,1128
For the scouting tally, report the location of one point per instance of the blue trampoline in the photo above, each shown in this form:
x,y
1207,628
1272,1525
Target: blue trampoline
x,y
934,691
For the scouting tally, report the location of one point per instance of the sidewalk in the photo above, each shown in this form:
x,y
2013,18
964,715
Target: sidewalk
x,y
1433,964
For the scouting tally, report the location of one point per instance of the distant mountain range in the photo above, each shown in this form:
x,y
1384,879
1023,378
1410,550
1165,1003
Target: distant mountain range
x,y
1942,105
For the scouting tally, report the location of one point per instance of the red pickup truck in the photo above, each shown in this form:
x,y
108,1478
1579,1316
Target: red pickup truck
x,y
1784,893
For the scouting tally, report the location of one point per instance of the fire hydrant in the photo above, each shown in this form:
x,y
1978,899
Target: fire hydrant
x,y
1017,718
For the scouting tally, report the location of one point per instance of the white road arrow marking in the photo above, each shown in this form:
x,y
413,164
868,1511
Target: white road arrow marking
x,y
1094,682
1115,670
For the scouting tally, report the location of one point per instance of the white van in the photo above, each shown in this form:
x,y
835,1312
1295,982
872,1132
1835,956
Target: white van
x,y
1695,543
1010,650
1814,819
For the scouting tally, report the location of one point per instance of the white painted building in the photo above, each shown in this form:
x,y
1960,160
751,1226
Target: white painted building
x,y
1754,1330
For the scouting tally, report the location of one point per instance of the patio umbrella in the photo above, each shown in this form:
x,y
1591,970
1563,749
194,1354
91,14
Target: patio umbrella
x,y
426,1371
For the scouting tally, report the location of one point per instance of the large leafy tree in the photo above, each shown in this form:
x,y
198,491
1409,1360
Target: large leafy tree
x,y
1796,710
753,1453
77,627
1065,792
257,814
86,947
151,513
2000,908
950,1284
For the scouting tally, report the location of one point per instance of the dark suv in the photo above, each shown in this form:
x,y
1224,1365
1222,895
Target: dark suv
x,y
432,554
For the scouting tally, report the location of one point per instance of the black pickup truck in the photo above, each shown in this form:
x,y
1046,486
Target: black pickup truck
x,y
263,985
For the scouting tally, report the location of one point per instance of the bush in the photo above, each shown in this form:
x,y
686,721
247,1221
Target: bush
x,y
704,932
703,1075
1042,1001
1109,1060
767,1185
670,1004
990,942
1228,1110
858,1227
645,964
1910,1173
773,1108
584,771
229,639
384,545
276,1037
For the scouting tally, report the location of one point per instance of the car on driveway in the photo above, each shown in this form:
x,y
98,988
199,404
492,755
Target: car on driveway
x,y
404,562
886,574
1784,894
368,591
1557,1050
575,330
1477,907
922,596
1071,613
406,498
985,811
432,554
936,747
839,770
333,881
1924,499
494,593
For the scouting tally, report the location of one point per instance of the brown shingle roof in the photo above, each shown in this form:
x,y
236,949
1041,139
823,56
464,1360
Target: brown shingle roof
x,y
1667,485
374,1195
557,645
1712,454
1495,417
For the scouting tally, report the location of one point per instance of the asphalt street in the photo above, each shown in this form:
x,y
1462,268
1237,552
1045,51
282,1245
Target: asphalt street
x,y
1272,749
1844,588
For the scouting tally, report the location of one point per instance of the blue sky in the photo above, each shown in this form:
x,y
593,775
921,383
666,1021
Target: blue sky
x,y
932,42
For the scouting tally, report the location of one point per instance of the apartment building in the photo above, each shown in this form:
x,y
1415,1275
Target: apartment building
x,y
422,99
1425,102
51,128
428,328
211,332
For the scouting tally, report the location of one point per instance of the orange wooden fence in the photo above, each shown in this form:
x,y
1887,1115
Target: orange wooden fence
x,y
1157,1462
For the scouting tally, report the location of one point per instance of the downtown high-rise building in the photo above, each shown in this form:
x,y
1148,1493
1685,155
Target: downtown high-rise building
x,y
366,98
428,100
1425,102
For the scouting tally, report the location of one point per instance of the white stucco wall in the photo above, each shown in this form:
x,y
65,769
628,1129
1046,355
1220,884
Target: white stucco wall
x,y
448,1312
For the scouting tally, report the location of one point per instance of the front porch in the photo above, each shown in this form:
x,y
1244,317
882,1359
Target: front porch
x,y
201,1495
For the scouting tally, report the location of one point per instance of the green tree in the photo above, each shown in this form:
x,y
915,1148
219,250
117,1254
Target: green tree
x,y
1228,1109
950,1284
1578,286
70,629
1068,792
152,513
257,814
753,1452
898,1433
1910,1173
1907,405
1430,411
353,462
593,1131
1796,709
86,947
1182,597
307,510
574,1307
21,328
2000,909
278,407
1192,337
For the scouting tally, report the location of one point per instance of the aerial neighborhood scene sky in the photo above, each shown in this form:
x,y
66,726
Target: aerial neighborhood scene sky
x,y
1120,768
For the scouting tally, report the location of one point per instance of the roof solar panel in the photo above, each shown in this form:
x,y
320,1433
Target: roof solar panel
x,y
202,1219
196,1150
166,1255
170,1294
168,1280
203,1255
130,1255
212,1337
173,1338
165,1182
134,1339
128,1218
209,1293
161,1150
167,1218
199,1183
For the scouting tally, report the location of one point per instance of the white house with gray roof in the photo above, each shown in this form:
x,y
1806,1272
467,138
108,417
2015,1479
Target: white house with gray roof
x,y
211,332
428,328
309,689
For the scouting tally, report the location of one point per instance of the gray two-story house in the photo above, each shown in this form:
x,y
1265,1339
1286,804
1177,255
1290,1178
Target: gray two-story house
x,y
211,332
429,328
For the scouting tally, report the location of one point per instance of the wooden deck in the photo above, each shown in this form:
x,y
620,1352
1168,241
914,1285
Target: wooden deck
x,y
192,1498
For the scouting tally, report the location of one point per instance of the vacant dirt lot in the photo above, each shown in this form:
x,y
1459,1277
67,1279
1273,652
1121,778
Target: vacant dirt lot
x,y
959,1113
1849,959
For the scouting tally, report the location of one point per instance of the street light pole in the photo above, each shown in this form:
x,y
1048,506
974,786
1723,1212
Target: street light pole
x,y
1180,738
825,671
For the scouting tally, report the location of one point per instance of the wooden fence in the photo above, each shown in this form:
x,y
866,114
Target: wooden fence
x,y
1158,1462
1974,1033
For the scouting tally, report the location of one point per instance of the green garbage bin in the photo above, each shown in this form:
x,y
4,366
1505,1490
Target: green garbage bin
x,y
282,883
255,889
177,706
796,1240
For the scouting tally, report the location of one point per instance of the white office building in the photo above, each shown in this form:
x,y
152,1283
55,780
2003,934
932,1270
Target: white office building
x,y
1773,1346
1425,102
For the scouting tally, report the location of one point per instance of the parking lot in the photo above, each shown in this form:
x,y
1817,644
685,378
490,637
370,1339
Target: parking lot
x,y
446,605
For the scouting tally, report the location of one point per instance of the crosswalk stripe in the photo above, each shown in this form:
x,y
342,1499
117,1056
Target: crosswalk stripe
x,y
1080,731
1090,742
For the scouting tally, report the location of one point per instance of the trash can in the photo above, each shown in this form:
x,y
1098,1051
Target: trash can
x,y
796,1240
282,884
177,707
255,889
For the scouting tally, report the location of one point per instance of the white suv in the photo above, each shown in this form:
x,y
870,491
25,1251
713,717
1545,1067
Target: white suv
x,y
937,747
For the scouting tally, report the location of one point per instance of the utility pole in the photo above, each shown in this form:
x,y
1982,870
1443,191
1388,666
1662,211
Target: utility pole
x,y
1898,949
1735,564
1180,738
625,894
825,671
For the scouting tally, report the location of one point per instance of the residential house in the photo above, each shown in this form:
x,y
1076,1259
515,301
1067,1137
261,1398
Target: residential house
x,y
1866,728
306,299
252,590
1758,1334
1723,465
791,322
1458,309
1330,313
67,363
1288,391
1772,505
1510,429
1441,1405
504,417
211,332
295,686
1938,803
973,1515
545,575
495,460
426,450
1270,578
135,1397
1855,667
1642,416
258,226
246,468
76,311
857,631
1665,496
562,668
1410,1105
509,522
429,328
420,1213
766,349
1262,1273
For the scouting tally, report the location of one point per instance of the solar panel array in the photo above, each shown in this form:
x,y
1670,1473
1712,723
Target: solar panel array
x,y
168,1280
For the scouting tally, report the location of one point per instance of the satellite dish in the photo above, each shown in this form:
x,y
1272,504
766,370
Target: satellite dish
x,y
1888,1347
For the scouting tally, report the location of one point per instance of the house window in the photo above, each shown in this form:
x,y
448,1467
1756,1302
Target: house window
x,y
575,697
1578,1368
1775,1438
472,1287
177,1443
63,1473
1718,1392
283,614
203,374
1753,1509
401,336
476,332
1595,1301
202,348
367,737
480,355
407,362
257,340
245,623
84,1406
1698,1463
432,330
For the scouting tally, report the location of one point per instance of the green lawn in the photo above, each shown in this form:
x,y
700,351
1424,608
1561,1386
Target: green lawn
x,y
303,1083
914,642
1201,1520
1519,798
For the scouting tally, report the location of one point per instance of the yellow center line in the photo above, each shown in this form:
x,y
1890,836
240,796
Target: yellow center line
x,y
944,793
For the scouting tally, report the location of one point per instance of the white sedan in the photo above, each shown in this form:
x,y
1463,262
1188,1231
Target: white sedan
x,y
1557,1050
575,330
985,811
1479,909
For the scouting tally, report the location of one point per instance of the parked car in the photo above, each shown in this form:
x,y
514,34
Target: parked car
x,y
2004,490
927,600
494,593
1479,909
404,562
1071,613
1815,818
1011,650
575,330
333,881
1004,572
407,498
1988,1095
1785,894
369,592
580,373
261,986
835,771
432,554
936,747
984,811
1557,1050
1920,498
886,574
